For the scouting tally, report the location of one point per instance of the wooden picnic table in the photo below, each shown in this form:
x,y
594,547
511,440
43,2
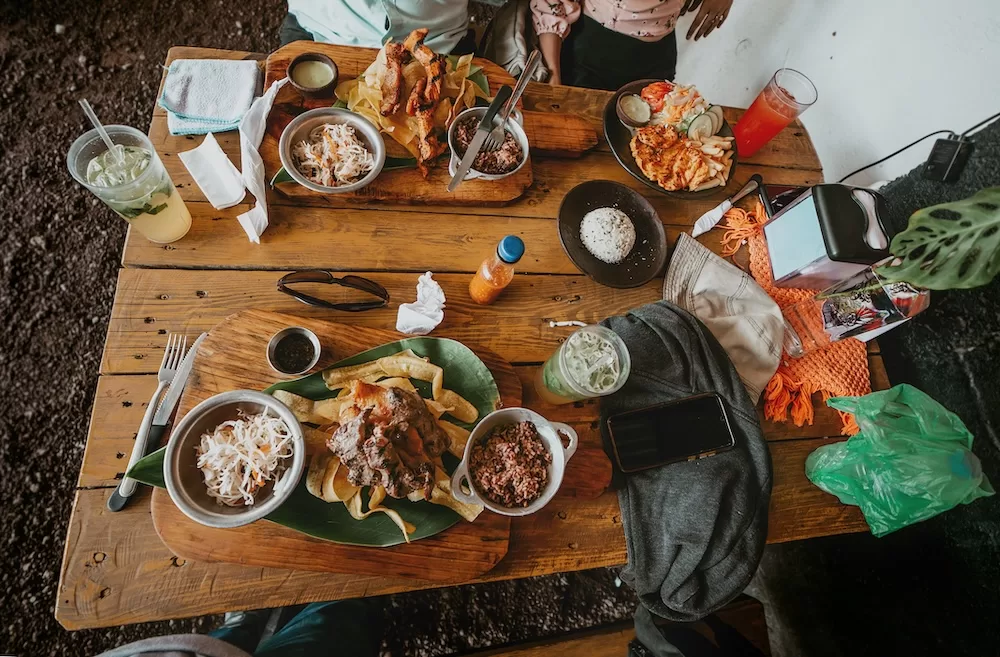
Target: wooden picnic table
x,y
115,568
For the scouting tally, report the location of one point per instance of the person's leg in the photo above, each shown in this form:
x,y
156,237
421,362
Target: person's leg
x,y
243,629
290,30
349,628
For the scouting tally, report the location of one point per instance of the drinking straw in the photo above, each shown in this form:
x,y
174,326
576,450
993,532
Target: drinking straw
x,y
89,111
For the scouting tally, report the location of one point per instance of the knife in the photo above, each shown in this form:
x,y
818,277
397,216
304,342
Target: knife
x,y
167,405
708,220
482,132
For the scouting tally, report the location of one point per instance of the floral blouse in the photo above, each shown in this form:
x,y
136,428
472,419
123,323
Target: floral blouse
x,y
646,20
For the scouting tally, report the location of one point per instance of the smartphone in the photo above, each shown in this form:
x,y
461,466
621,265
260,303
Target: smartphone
x,y
680,430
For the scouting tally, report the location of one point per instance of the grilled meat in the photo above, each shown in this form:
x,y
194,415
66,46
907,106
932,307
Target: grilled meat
x,y
664,157
388,437
391,79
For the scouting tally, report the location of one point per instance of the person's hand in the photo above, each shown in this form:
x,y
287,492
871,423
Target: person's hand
x,y
711,14
555,78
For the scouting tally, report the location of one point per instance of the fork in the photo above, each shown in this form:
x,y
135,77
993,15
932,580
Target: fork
x,y
172,357
496,136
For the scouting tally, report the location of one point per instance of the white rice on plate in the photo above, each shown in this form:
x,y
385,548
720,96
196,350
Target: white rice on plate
x,y
608,234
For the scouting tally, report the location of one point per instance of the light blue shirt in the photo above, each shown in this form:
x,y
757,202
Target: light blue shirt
x,y
370,23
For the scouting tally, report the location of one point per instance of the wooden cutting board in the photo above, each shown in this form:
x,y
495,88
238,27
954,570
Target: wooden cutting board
x,y
232,357
555,135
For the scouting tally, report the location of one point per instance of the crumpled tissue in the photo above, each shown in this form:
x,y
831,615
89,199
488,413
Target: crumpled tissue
x,y
420,317
251,132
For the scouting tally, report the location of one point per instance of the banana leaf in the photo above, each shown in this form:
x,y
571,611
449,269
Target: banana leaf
x,y
464,373
949,246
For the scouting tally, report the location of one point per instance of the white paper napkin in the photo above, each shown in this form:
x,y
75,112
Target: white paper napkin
x,y
252,129
219,179
420,317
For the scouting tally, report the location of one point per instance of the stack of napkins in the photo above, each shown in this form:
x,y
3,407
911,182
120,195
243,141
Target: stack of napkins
x,y
208,95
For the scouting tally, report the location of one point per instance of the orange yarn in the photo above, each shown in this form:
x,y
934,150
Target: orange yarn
x,y
836,370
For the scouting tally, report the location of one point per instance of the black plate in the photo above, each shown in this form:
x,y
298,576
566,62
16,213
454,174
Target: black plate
x,y
649,255
619,138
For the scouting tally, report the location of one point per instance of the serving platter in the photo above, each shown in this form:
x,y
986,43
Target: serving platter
x,y
232,357
549,134
620,137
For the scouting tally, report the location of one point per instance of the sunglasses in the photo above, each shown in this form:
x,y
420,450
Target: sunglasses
x,y
323,276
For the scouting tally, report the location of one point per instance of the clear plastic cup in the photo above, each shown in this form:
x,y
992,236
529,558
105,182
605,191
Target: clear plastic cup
x,y
568,376
149,202
786,96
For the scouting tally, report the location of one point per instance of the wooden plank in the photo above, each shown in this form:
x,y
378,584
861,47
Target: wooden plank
x,y
120,402
553,178
791,148
116,570
150,303
362,240
232,358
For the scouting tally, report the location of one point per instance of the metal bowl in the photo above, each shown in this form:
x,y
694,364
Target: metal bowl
x,y
272,347
299,129
185,482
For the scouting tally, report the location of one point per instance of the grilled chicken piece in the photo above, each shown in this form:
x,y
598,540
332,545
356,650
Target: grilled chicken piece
x,y
388,437
391,79
670,161
425,97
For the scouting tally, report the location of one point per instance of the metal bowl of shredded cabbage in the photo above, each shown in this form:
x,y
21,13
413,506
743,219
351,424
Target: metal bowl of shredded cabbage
x,y
234,458
332,151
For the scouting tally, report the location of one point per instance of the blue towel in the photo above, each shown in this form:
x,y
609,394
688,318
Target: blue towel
x,y
208,95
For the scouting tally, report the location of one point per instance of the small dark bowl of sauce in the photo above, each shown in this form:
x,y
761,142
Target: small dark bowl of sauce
x,y
294,350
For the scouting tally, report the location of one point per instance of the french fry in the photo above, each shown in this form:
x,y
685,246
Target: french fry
x,y
714,182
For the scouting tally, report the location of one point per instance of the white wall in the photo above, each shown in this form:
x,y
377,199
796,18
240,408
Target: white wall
x,y
887,71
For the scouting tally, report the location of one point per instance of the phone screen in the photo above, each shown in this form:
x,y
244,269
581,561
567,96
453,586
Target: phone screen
x,y
675,431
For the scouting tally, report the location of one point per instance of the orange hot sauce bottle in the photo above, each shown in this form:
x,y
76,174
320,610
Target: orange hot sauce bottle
x,y
497,271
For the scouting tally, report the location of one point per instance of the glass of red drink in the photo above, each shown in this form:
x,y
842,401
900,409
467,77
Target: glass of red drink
x,y
788,94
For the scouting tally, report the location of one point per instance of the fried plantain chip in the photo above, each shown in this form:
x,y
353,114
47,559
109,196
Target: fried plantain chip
x,y
307,410
397,382
459,437
354,508
316,472
316,439
337,378
459,407
437,409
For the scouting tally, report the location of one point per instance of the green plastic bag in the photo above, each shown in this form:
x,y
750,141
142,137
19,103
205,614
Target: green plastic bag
x,y
910,461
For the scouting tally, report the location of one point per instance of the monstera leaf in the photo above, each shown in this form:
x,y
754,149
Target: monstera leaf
x,y
949,246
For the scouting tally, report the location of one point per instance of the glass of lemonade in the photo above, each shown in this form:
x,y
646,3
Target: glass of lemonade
x,y
132,182
592,362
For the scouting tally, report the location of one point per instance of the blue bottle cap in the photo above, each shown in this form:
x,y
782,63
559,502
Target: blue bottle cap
x,y
510,249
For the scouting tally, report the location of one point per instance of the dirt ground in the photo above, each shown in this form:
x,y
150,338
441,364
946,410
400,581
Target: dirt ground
x,y
60,249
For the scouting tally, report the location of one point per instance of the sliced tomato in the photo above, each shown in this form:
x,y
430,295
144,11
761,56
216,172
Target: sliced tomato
x,y
654,94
